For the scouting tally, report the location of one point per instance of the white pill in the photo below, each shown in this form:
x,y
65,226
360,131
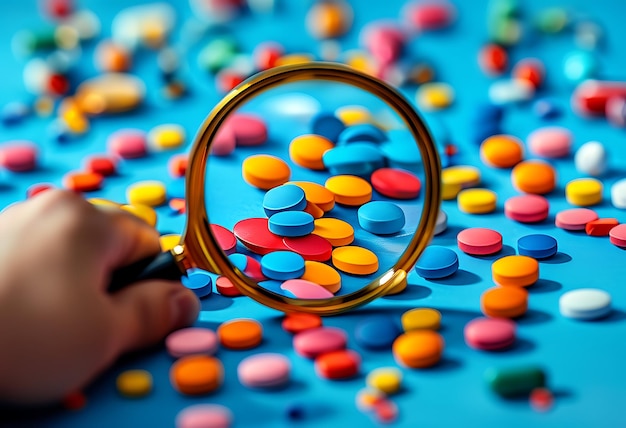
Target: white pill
x,y
511,91
590,158
585,304
618,194
442,222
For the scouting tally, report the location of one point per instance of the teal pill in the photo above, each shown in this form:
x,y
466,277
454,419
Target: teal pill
x,y
217,54
579,66
291,223
282,265
354,159
381,217
362,133
284,198
515,381
327,125
437,262
198,281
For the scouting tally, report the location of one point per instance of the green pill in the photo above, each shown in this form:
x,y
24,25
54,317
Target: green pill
x,y
515,381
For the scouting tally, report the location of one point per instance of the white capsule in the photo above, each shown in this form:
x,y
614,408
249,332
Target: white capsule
x,y
591,159
511,91
618,194
36,76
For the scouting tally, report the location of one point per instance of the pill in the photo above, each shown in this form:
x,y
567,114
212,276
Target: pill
x,y
493,59
545,108
128,143
516,380
323,275
421,319
538,246
327,125
166,137
361,133
591,159
529,69
110,93
618,194
386,411
396,183
534,176
255,234
134,383
376,332
502,151
381,217
177,165
287,197
527,208
590,97
240,333
461,175
368,398
442,223
550,142
355,260
541,399
479,241
477,201
282,265
584,192
103,165
504,302
225,141
489,334
198,281
150,192
112,57
434,96
384,42
265,370
574,218
338,232
190,341
310,247
239,261
296,322
303,289
224,237
509,91
314,210
340,364
616,111
307,151
265,171
225,287
401,150
196,374
425,16
317,194
18,156
585,304
601,226
328,20
617,236
437,262
521,271
354,159
205,416
317,341
385,379
143,212
418,348
79,181
353,115
579,66
349,189
291,223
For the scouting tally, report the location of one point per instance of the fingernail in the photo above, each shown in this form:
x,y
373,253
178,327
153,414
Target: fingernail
x,y
185,308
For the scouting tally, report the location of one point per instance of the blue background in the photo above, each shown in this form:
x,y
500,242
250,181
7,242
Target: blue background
x,y
583,360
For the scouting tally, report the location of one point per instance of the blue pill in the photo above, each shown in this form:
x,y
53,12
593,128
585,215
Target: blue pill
x,y
579,66
381,217
545,108
282,265
198,281
376,332
327,125
360,159
287,197
437,262
240,261
14,112
538,246
401,150
364,132
291,223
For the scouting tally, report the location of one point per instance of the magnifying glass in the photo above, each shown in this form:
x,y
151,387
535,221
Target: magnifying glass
x,y
330,130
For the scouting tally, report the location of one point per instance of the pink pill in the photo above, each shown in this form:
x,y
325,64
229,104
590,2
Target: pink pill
x,y
249,129
225,238
550,142
617,235
575,218
317,341
18,156
192,340
490,334
384,42
253,269
264,370
479,241
204,416
429,15
128,143
224,142
303,289
527,208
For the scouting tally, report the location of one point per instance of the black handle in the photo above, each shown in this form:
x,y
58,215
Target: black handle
x,y
161,266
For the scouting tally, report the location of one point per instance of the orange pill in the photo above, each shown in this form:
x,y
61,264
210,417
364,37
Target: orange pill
x,y
317,194
504,302
296,322
112,57
418,348
518,271
177,165
196,374
502,151
307,151
534,176
601,227
82,181
340,364
326,20
241,333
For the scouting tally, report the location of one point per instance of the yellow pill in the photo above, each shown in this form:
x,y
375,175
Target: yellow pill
x,y
520,271
293,59
265,171
354,115
168,242
317,194
307,151
323,275
385,379
335,231
434,96
144,212
355,260
399,283
450,191
477,201
166,137
134,383
421,319
461,175
151,193
349,189
584,192
364,63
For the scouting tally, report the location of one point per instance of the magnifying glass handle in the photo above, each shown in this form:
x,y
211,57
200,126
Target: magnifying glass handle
x,y
161,266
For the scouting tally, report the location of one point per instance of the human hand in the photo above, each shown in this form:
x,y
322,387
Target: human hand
x,y
59,327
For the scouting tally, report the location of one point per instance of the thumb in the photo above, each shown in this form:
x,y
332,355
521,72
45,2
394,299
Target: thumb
x,y
147,311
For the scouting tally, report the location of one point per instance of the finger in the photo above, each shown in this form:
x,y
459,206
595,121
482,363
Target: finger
x,y
147,311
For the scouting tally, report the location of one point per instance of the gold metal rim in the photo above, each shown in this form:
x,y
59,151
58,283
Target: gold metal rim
x,y
199,242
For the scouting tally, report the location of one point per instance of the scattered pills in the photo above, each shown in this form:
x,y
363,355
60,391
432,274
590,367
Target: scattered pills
x,y
317,341
421,319
584,192
205,416
504,302
265,171
534,176
265,370
479,241
575,218
516,380
437,262
418,348
151,193
317,194
489,334
355,260
376,332
527,208
585,304
134,383
255,234
190,341
349,189
241,333
196,374
381,217
340,364
477,201
538,246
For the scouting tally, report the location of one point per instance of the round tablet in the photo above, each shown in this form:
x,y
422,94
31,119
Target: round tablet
x,y
191,340
442,223
296,322
134,383
381,217
317,341
461,175
310,247
534,176
538,246
585,304
225,287
550,142
357,158
204,416
504,302
396,183
527,208
224,237
283,198
79,181
617,236
327,125
362,132
489,334
376,332
128,143
421,319
307,151
584,192
341,364
322,274
265,171
618,194
437,262
151,193
418,348
282,265
266,370
477,201
241,333
317,194
354,115
224,142
385,379
250,129
103,165
355,260
349,189
434,96
291,223
166,137
18,156
575,218
198,281
591,159
334,230
479,241
502,151
110,93
520,271
255,234
303,289
196,374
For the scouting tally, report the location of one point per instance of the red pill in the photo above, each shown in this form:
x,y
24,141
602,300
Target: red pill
x,y
58,8
385,43
541,399
58,84
255,234
253,270
429,15
224,237
103,165
227,79
79,181
342,364
591,96
297,322
177,165
600,227
266,54
310,247
18,156
35,189
531,70
493,59
225,287
396,183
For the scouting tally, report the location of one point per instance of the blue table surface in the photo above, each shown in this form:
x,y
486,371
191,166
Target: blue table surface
x,y
583,360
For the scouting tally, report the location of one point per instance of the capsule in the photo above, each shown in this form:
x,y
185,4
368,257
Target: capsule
x,y
590,97
515,381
